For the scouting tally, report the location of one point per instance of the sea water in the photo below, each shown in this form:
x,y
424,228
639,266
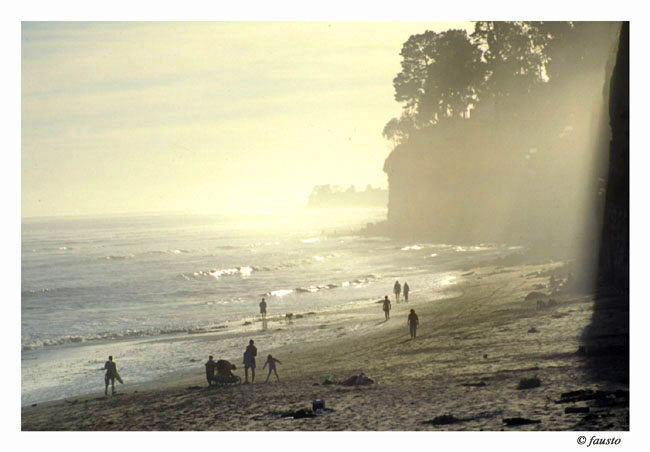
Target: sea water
x,y
149,289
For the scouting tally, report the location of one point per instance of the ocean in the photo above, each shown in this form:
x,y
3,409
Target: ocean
x,y
160,293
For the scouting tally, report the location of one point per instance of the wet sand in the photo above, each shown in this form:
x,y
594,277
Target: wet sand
x,y
467,362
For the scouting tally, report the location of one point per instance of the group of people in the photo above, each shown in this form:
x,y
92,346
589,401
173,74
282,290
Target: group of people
x,y
249,363
413,320
398,289
222,370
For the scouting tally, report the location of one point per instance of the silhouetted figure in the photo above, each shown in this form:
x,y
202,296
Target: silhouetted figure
x,y
413,322
397,289
263,308
386,307
249,361
210,367
111,375
224,371
270,360
406,292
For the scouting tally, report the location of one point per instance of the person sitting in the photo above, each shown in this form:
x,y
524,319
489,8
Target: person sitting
x,y
224,371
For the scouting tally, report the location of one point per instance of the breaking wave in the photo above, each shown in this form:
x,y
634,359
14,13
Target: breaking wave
x,y
320,287
135,333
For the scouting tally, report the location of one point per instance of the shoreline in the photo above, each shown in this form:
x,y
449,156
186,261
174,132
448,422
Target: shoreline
x,y
336,318
223,342
470,353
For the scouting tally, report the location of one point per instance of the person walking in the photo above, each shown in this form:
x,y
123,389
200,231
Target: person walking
x,y
413,322
397,289
386,307
270,360
249,361
406,290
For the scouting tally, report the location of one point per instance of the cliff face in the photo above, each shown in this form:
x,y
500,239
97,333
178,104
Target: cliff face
x,y
501,185
614,259
607,339
530,174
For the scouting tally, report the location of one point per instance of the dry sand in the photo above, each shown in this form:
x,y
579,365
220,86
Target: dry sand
x,y
467,361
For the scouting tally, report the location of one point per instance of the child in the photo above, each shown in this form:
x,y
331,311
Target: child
x,y
271,362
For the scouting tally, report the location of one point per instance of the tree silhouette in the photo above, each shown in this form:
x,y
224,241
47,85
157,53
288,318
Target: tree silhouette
x,y
535,94
440,78
496,69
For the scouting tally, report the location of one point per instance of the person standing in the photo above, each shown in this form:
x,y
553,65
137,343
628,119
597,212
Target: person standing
x,y
249,361
406,290
263,308
210,367
111,375
397,289
413,322
386,307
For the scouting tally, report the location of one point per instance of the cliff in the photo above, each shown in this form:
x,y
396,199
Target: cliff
x,y
528,168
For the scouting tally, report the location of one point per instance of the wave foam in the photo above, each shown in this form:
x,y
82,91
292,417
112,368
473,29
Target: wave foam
x,y
319,287
125,334
463,249
244,271
118,257
278,293
216,273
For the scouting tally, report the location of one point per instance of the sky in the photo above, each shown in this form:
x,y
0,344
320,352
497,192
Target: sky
x,y
203,117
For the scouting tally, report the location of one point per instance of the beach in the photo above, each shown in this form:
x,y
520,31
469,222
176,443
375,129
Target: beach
x,y
462,372
160,294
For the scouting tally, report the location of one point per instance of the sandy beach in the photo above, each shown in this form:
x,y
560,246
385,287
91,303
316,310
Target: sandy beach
x,y
462,372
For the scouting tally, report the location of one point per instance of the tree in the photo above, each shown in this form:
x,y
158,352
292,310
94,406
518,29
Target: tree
x,y
399,129
440,78
504,71
515,59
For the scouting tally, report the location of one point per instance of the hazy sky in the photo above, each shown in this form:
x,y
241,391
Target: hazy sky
x,y
203,117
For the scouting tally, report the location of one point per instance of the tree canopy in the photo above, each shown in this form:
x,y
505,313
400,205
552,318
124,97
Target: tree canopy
x,y
451,74
441,75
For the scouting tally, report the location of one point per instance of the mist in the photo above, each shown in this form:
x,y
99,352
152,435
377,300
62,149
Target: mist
x,y
202,117
504,134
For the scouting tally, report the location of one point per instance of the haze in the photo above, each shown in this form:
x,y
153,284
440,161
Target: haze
x,y
203,117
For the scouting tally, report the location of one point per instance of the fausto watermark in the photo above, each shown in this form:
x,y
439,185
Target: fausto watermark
x,y
596,441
